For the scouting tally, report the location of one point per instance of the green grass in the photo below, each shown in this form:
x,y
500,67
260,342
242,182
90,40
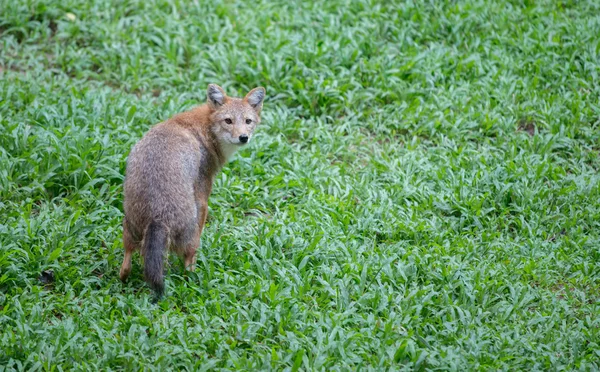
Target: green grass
x,y
423,192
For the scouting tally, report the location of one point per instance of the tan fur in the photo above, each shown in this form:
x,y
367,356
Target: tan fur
x,y
170,171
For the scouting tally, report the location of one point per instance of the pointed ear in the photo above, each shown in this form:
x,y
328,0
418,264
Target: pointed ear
x,y
215,95
255,98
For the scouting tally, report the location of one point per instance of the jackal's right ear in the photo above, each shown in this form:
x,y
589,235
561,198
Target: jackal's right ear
x,y
215,95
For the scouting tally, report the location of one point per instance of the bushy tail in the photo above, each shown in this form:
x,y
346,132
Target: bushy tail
x,y
155,244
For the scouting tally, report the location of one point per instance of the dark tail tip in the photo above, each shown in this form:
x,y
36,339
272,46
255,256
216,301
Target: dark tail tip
x,y
155,244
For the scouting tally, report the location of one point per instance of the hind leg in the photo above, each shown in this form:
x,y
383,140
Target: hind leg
x,y
130,247
189,254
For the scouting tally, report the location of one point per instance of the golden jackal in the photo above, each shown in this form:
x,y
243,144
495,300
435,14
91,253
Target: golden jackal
x,y
170,174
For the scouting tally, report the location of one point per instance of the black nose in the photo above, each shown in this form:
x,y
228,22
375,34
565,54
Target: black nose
x,y
244,138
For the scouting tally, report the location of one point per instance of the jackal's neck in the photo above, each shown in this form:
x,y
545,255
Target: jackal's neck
x,y
226,151
197,121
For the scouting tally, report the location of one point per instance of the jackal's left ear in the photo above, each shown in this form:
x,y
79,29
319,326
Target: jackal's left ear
x,y
255,98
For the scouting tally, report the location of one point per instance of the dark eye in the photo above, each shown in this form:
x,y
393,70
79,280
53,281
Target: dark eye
x,y
228,121
248,121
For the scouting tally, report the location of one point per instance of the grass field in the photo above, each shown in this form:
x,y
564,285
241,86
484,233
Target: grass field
x,y
423,192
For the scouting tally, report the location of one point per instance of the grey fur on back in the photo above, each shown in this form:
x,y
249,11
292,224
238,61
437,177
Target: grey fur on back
x,y
162,174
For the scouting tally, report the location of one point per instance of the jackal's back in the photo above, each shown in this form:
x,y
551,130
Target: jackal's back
x,y
160,179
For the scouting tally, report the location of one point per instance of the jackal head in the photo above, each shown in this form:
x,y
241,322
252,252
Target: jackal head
x,y
234,119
